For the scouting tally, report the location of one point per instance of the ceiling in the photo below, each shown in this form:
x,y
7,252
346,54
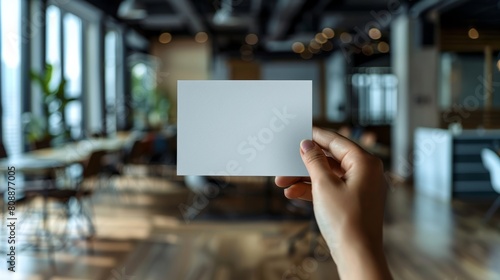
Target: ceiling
x,y
279,23
484,14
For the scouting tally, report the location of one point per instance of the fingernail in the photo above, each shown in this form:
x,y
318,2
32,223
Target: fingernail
x,y
306,145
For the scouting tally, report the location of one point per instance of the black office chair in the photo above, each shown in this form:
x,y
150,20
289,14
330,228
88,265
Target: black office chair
x,y
3,152
71,196
24,199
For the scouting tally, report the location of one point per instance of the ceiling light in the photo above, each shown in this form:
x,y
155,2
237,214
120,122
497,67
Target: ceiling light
x,y
320,38
251,39
345,37
246,50
329,33
298,47
367,50
383,47
247,58
201,37
165,38
312,50
473,33
306,55
315,45
374,33
328,46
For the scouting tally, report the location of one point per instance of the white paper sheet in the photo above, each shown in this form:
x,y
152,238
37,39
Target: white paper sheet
x,y
242,128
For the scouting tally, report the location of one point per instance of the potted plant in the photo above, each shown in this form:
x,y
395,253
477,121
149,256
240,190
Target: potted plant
x,y
39,131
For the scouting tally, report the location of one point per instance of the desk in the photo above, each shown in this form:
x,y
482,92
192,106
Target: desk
x,y
26,164
79,151
45,162
448,165
29,165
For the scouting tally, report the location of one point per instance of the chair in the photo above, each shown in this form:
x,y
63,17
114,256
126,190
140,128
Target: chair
x,y
75,192
134,165
3,152
491,162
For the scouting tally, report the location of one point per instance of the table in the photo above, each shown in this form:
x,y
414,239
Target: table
x,y
50,161
25,165
79,151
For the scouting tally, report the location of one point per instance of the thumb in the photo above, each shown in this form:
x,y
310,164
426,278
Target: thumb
x,y
315,160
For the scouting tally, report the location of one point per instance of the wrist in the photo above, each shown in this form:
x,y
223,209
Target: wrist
x,y
359,255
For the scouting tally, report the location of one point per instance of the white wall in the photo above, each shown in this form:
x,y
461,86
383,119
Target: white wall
x,y
416,68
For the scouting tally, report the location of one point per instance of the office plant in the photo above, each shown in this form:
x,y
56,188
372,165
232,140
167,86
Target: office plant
x,y
51,127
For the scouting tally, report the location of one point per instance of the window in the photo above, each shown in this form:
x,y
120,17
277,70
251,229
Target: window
x,y
374,96
64,53
53,43
72,39
10,22
111,74
462,76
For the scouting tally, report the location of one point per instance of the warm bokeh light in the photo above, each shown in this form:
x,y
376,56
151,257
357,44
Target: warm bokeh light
x,y
306,55
329,33
383,47
473,33
320,38
328,46
312,50
165,38
367,50
298,47
314,45
248,57
251,39
246,50
345,37
498,65
374,33
201,37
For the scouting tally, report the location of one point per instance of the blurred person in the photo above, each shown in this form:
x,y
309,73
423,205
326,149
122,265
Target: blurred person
x,y
348,190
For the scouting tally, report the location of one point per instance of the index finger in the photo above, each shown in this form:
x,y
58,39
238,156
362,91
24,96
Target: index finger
x,y
341,148
282,181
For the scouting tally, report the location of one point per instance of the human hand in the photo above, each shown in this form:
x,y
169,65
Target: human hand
x,y
348,189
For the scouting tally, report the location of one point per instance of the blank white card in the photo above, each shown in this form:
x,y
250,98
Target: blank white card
x,y
242,128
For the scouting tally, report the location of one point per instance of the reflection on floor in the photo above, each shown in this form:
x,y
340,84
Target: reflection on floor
x,y
143,233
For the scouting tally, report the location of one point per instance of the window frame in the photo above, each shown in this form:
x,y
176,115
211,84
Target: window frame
x,y
23,94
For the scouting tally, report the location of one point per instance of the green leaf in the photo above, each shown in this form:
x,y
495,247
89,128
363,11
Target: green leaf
x,y
35,77
48,74
65,102
41,81
59,93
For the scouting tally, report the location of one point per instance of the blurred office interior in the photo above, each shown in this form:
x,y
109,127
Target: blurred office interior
x,y
88,119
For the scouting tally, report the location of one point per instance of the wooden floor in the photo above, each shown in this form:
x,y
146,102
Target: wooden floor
x,y
144,231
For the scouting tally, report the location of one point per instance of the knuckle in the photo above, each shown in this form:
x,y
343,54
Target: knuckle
x,y
314,157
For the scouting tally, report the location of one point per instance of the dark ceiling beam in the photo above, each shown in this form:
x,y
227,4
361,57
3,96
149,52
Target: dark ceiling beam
x,y
281,20
255,10
346,20
437,5
163,22
186,8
